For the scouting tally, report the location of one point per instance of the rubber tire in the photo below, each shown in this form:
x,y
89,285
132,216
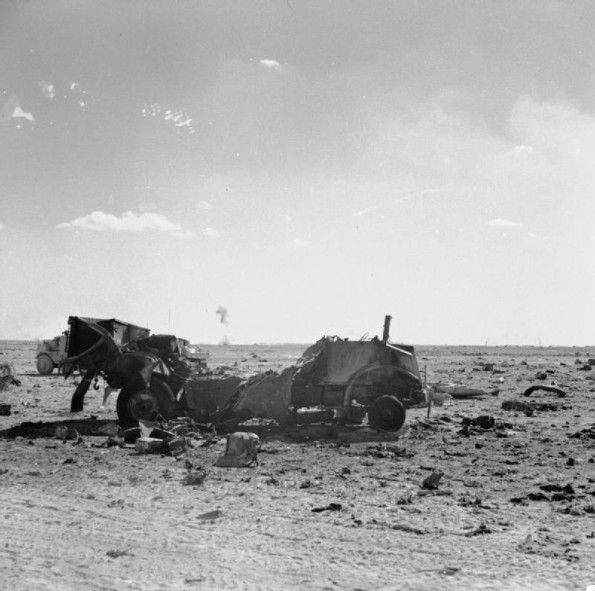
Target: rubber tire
x,y
45,365
157,400
386,413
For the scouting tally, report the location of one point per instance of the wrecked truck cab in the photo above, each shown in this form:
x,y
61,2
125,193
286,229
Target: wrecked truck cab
x,y
146,381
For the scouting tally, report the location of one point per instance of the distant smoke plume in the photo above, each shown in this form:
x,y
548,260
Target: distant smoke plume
x,y
222,313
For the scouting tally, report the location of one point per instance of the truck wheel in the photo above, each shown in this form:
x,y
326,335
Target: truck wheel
x,y
45,365
386,413
136,402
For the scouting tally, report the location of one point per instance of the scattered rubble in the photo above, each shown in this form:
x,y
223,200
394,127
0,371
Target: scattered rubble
x,y
549,545
561,393
432,481
457,391
210,515
329,507
586,433
65,432
483,421
558,493
241,451
91,426
195,478
529,408
117,553
149,445
481,529
8,376
383,450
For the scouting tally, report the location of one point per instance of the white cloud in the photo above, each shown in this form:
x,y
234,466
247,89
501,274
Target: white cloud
x,y
48,89
298,243
502,223
524,149
532,235
1,225
185,123
179,119
99,221
18,112
363,211
82,96
272,64
212,233
204,205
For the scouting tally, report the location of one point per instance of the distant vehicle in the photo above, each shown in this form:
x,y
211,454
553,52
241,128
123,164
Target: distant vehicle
x,y
51,354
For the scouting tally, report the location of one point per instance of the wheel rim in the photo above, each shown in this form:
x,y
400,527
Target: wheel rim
x,y
143,405
374,381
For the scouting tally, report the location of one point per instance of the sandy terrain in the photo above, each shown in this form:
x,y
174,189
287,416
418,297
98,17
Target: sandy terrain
x,y
515,509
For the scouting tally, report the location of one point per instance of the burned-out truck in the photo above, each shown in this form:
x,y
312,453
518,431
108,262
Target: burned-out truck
x,y
338,380
335,380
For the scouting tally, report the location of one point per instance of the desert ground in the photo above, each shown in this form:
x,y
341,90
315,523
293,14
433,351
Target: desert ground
x,y
515,508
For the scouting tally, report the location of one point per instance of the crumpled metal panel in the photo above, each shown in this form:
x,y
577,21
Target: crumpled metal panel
x,y
345,358
267,396
208,394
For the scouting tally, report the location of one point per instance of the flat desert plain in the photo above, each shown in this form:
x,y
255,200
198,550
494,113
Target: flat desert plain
x,y
515,508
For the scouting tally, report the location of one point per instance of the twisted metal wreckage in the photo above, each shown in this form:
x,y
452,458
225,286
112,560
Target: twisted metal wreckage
x,y
335,380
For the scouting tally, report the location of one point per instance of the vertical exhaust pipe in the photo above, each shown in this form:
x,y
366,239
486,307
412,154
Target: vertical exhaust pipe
x,y
386,331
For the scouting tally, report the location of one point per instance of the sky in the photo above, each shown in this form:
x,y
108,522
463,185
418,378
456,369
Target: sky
x,y
278,170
